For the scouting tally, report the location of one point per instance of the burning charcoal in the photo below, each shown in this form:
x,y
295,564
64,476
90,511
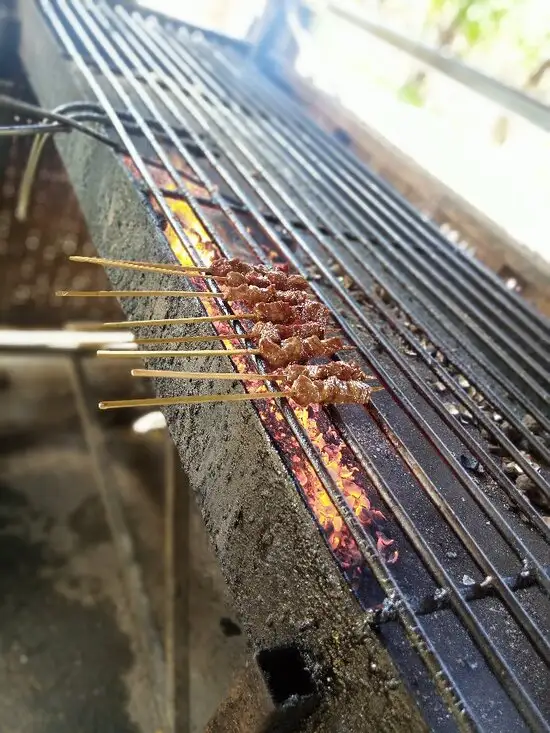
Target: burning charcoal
x,y
463,382
440,387
528,487
471,464
531,424
496,417
452,410
440,357
409,352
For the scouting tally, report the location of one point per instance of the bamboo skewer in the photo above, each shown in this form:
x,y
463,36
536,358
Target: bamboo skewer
x,y
182,321
231,376
137,294
191,399
236,376
138,264
196,339
192,339
198,399
178,354
158,268
145,354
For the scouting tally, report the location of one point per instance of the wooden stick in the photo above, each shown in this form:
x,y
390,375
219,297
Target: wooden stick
x,y
131,265
191,400
198,399
195,339
157,269
177,354
182,321
245,376
192,339
137,294
231,376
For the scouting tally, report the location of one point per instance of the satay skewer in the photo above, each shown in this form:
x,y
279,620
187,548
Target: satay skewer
x,y
194,339
201,399
138,264
137,294
177,354
230,376
190,400
235,376
183,321
295,281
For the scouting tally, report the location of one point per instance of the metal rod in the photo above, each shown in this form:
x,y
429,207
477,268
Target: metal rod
x,y
327,180
533,631
350,520
321,215
423,646
501,523
432,363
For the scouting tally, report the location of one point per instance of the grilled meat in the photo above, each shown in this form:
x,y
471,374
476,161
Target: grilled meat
x,y
263,280
254,294
306,391
295,350
338,369
280,331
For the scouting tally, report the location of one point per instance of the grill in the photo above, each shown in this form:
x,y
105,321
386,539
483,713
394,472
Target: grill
x,y
431,504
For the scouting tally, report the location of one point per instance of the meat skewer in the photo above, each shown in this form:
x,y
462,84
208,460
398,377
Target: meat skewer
x,y
339,369
220,271
303,391
276,312
277,332
250,294
289,351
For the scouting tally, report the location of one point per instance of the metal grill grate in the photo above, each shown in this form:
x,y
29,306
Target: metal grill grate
x,y
457,450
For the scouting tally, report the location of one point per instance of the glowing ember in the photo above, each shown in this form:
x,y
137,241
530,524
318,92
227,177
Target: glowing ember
x,y
334,452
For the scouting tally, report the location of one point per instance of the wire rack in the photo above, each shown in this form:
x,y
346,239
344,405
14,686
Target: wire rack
x,y
464,423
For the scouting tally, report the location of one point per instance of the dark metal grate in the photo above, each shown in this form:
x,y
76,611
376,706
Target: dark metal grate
x,y
457,449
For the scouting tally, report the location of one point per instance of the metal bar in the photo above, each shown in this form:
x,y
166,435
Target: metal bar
x,y
517,692
393,202
440,599
321,215
465,368
508,97
143,41
128,53
373,221
522,618
422,645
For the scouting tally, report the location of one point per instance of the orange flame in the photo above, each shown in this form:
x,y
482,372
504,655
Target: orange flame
x,y
333,451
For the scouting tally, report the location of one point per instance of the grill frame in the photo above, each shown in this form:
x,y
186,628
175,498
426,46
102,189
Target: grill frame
x,y
83,171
